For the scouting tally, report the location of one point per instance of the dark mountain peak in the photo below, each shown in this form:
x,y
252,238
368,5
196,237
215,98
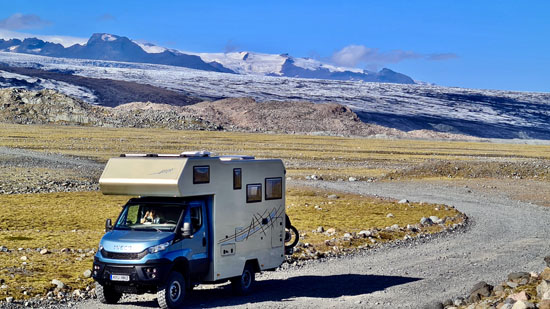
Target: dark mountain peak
x,y
104,37
388,76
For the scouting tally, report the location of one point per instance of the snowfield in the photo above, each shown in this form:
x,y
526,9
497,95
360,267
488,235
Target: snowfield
x,y
484,113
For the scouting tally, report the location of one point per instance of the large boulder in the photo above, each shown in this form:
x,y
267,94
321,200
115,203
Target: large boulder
x,y
543,289
480,290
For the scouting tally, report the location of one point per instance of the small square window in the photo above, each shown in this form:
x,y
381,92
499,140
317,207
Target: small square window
x,y
201,174
273,188
254,193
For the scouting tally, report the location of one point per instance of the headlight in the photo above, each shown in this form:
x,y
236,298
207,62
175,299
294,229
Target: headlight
x,y
158,248
99,248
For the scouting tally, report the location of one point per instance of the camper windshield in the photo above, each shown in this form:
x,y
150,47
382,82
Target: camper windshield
x,y
150,216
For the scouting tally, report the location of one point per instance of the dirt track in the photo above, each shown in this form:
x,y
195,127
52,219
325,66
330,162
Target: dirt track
x,y
505,236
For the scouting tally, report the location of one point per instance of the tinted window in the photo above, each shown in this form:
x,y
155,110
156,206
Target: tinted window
x,y
254,193
196,218
237,179
201,174
273,188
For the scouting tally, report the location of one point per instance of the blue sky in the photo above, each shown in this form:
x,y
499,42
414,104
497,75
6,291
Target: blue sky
x,y
474,44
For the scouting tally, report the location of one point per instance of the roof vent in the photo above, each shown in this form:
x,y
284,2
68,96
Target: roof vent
x,y
201,153
138,155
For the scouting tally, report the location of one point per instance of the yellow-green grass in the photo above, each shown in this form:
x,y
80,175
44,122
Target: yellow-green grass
x,y
336,157
54,221
76,221
352,213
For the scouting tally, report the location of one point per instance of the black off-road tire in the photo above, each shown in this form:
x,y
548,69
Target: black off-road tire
x,y
243,284
291,230
107,295
172,294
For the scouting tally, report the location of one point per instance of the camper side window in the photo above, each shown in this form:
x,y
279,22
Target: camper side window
x,y
237,179
254,193
273,188
201,174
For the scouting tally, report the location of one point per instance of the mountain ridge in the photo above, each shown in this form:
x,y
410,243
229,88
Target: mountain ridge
x,y
105,46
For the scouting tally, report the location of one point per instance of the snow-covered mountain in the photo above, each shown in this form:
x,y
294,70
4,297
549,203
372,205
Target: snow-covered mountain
x,y
104,46
285,65
482,113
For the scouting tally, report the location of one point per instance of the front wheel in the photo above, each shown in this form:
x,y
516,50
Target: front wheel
x,y
106,294
173,293
243,285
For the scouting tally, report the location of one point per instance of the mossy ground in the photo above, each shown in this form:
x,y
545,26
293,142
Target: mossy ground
x,y
53,221
352,213
333,157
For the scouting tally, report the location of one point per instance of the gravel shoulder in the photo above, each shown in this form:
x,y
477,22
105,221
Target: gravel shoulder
x,y
28,171
504,235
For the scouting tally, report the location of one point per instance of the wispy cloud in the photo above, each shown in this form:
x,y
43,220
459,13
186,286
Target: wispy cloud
x,y
106,17
353,55
20,21
443,56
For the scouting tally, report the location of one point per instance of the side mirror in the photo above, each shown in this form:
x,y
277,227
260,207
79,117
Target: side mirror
x,y
186,230
108,225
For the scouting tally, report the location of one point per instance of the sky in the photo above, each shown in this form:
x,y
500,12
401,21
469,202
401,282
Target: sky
x,y
473,44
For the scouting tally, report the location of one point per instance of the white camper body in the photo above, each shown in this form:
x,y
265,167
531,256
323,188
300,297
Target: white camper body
x,y
246,212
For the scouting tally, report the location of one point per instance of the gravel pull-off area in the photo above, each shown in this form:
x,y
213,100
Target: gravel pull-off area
x,y
27,171
504,236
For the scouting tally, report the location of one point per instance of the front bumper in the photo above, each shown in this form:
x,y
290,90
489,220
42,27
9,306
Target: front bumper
x,y
143,278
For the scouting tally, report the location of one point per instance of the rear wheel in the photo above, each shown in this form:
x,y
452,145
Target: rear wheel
x,y
106,294
173,293
292,236
243,285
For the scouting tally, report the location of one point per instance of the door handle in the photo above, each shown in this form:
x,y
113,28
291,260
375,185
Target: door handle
x,y
204,241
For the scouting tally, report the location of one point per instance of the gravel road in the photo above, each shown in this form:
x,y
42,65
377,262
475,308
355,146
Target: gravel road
x,y
28,171
505,235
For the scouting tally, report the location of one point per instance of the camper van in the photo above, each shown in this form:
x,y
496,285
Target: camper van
x,y
192,219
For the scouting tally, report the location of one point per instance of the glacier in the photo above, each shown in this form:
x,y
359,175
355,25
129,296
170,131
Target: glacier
x,y
483,113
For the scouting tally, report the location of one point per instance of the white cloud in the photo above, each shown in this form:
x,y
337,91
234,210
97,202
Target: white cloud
x,y
353,55
20,21
63,40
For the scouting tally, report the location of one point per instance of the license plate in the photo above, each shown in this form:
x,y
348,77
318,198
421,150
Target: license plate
x,y
120,278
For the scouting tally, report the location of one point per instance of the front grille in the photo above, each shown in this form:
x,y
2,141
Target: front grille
x,y
123,256
120,270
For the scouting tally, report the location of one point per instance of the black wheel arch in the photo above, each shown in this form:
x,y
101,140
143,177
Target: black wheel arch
x,y
254,264
181,265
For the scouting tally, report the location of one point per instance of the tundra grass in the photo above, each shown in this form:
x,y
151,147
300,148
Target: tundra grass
x,y
340,157
60,222
351,213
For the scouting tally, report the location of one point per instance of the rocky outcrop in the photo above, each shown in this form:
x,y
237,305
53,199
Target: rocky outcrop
x,y
236,114
49,107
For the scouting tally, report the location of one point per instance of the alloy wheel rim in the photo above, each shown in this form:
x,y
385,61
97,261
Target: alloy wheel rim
x,y
175,291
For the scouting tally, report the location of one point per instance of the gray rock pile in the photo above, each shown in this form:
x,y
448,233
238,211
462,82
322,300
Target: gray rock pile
x,y
49,107
521,290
